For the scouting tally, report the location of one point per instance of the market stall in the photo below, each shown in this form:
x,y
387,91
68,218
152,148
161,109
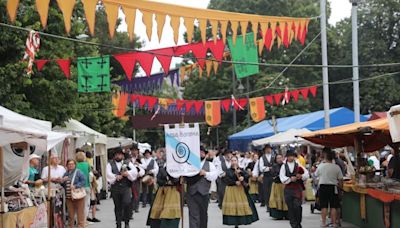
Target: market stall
x,y
368,200
84,135
19,137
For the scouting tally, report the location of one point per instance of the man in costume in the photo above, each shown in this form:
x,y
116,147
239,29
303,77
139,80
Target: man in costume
x,y
293,175
120,174
198,188
149,164
264,168
222,163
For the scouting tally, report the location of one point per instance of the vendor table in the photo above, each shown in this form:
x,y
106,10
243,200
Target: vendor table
x,y
27,217
370,208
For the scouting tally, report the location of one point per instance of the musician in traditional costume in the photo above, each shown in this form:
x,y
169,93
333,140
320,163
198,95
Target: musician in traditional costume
x,y
237,207
149,164
135,159
277,204
293,175
264,165
166,209
253,182
198,189
222,163
120,174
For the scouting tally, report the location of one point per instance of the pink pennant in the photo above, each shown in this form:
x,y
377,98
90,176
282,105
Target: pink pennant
x,y
164,56
269,99
134,98
151,101
182,49
198,105
127,61
142,100
240,103
179,104
40,63
268,39
65,66
188,106
200,53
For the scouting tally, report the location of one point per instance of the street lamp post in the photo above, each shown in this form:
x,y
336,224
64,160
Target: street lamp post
x,y
354,39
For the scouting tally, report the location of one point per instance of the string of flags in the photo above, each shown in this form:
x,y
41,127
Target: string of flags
x,y
212,108
282,30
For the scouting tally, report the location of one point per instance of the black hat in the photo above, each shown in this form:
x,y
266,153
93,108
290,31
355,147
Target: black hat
x,y
118,151
227,152
290,152
147,151
267,146
202,148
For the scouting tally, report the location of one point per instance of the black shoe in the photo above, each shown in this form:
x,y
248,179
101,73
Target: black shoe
x,y
95,220
144,205
89,220
136,210
262,205
119,225
127,225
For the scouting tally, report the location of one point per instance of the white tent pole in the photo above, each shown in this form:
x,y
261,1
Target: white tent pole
x,y
2,181
94,156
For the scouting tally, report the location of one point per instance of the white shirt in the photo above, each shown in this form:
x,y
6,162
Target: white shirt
x,y
146,162
244,162
55,172
376,163
141,170
285,179
111,177
218,164
213,174
259,166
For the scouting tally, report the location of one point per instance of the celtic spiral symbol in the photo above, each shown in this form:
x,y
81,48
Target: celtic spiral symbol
x,y
182,153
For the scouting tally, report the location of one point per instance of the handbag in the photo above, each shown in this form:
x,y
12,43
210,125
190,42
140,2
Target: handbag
x,y
77,193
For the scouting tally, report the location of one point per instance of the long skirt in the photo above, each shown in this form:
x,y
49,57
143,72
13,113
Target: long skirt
x,y
277,204
238,207
253,187
165,211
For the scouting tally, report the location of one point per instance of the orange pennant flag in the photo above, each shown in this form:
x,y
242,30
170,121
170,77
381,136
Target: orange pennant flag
x,y
209,65
42,6
90,12
112,16
257,108
12,6
120,101
213,112
66,7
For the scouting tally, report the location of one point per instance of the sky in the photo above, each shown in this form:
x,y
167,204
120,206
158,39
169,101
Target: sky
x,y
340,10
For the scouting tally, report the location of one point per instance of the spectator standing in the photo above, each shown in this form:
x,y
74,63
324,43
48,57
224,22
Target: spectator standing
x,y
394,164
56,171
34,177
84,167
330,179
93,176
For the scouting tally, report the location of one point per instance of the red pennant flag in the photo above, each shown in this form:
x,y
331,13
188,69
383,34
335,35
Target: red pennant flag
x,y
164,56
179,104
269,99
304,93
313,90
146,61
278,31
198,105
142,100
226,104
134,97
200,52
240,104
188,106
151,101
182,49
299,30
278,98
268,39
286,36
303,35
65,66
217,49
295,95
127,61
40,63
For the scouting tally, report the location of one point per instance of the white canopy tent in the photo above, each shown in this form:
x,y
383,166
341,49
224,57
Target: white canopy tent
x,y
287,137
118,142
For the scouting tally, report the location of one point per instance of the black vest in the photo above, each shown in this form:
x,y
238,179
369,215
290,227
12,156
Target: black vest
x,y
124,182
223,163
150,166
199,183
291,174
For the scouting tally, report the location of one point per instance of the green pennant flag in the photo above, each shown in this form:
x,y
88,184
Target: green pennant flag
x,y
94,74
246,52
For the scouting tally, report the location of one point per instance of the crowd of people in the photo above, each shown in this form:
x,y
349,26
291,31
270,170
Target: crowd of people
x,y
273,178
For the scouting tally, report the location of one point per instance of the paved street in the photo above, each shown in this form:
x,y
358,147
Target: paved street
x,y
106,215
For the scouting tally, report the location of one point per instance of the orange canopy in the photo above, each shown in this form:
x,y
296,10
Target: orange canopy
x,y
373,135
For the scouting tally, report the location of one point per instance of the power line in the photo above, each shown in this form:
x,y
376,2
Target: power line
x,y
192,58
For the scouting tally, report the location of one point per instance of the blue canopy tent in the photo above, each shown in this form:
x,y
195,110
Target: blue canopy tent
x,y
312,121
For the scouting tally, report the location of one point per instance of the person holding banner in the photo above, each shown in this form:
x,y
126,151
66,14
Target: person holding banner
x,y
237,207
166,209
198,188
149,164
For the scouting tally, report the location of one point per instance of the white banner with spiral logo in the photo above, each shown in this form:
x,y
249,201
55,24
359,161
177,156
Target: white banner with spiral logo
x,y
182,145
